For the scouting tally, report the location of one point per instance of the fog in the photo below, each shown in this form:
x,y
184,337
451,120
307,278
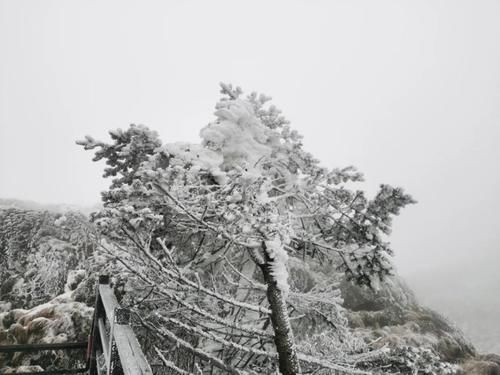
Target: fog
x,y
408,92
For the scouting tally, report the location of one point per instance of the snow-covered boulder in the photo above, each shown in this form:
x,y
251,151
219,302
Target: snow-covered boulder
x,y
57,321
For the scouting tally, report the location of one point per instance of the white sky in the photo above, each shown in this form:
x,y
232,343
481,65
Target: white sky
x,y
408,92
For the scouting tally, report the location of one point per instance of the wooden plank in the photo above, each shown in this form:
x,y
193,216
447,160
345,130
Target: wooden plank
x,y
93,337
99,368
109,349
109,301
132,358
104,337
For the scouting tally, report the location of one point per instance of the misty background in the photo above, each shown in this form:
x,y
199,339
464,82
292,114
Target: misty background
x,y
408,92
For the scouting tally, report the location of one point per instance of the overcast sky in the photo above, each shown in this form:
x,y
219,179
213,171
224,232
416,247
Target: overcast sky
x,y
408,92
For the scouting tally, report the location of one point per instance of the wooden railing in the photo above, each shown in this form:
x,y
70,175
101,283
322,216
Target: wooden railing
x,y
113,346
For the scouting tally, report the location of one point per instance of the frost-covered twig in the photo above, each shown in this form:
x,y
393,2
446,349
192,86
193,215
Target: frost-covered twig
x,y
252,282
222,232
330,365
184,280
214,337
171,364
198,352
196,286
367,356
216,319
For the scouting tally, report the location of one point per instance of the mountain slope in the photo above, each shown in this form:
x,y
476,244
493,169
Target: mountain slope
x,y
48,264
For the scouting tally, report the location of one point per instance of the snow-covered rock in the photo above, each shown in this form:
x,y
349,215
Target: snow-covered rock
x,y
59,320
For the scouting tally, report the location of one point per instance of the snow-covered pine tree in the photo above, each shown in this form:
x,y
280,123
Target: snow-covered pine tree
x,y
37,251
249,196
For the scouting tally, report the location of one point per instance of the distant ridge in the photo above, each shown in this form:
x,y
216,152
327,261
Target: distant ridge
x,y
54,207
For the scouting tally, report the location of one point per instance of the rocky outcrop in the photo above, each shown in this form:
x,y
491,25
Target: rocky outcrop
x,y
393,318
485,364
480,367
59,320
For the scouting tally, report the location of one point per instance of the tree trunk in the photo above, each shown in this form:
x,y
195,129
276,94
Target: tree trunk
x,y
283,335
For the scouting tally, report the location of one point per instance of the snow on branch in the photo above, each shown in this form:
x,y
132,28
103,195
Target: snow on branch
x,y
211,336
171,364
329,365
216,319
197,352
185,281
222,232
200,288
